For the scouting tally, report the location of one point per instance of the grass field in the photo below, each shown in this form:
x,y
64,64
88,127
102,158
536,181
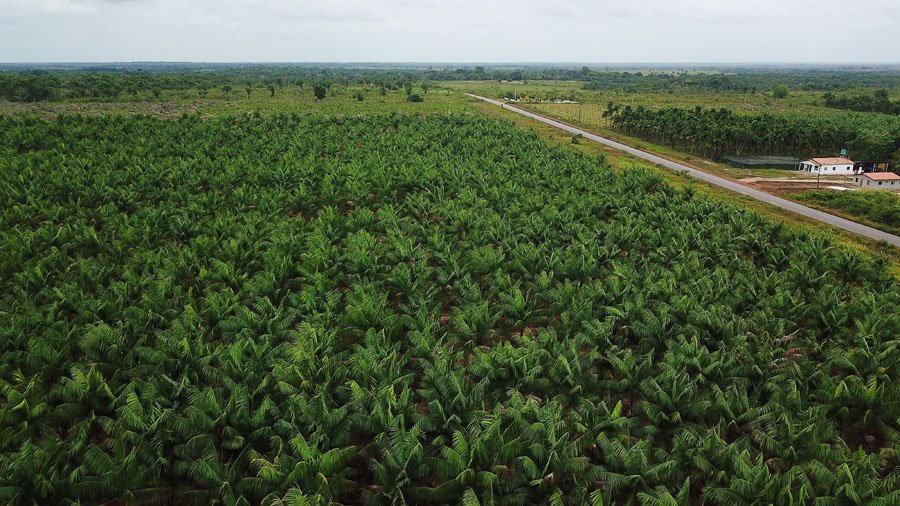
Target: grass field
x,y
879,209
288,99
342,100
419,309
590,101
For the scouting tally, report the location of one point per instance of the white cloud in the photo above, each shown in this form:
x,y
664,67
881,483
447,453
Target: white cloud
x,y
441,30
45,6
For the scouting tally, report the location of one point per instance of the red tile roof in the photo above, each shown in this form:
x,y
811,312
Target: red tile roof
x,y
882,176
840,160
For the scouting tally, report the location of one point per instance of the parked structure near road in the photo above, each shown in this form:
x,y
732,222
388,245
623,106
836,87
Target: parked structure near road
x,y
877,181
761,162
837,166
870,166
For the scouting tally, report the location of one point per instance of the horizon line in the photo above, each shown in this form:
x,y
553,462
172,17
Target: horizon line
x,y
438,62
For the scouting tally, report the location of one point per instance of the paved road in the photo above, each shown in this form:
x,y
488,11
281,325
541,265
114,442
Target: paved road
x,y
734,186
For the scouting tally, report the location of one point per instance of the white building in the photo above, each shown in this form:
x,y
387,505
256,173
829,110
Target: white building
x,y
839,166
877,181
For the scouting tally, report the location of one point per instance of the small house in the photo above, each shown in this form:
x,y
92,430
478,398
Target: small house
x,y
838,166
877,181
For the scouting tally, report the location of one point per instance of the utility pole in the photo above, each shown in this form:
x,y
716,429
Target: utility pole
x,y
818,176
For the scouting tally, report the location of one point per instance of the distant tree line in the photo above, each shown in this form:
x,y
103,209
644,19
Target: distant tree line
x,y
747,82
80,85
640,82
738,80
108,83
717,132
879,101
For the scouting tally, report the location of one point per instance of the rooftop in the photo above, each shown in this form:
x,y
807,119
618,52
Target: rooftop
x,y
838,160
882,176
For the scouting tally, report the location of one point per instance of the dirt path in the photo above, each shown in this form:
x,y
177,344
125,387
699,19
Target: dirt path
x,y
722,182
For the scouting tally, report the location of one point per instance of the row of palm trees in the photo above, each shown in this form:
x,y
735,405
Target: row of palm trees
x,y
412,310
716,132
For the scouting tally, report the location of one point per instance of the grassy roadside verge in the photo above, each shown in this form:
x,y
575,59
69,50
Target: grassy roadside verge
x,y
620,160
877,209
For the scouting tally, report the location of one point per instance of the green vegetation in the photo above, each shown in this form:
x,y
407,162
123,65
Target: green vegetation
x,y
141,81
543,93
741,80
879,208
727,122
715,132
879,101
320,91
695,128
111,84
339,100
418,309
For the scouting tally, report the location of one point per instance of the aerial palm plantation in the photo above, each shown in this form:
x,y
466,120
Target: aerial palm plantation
x,y
430,309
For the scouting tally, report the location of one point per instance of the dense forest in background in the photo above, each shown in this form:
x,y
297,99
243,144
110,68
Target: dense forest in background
x,y
92,83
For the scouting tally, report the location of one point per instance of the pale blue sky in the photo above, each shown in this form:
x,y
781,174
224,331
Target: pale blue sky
x,y
464,30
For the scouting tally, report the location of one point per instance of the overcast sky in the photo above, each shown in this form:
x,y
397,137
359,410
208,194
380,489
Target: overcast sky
x,y
834,31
